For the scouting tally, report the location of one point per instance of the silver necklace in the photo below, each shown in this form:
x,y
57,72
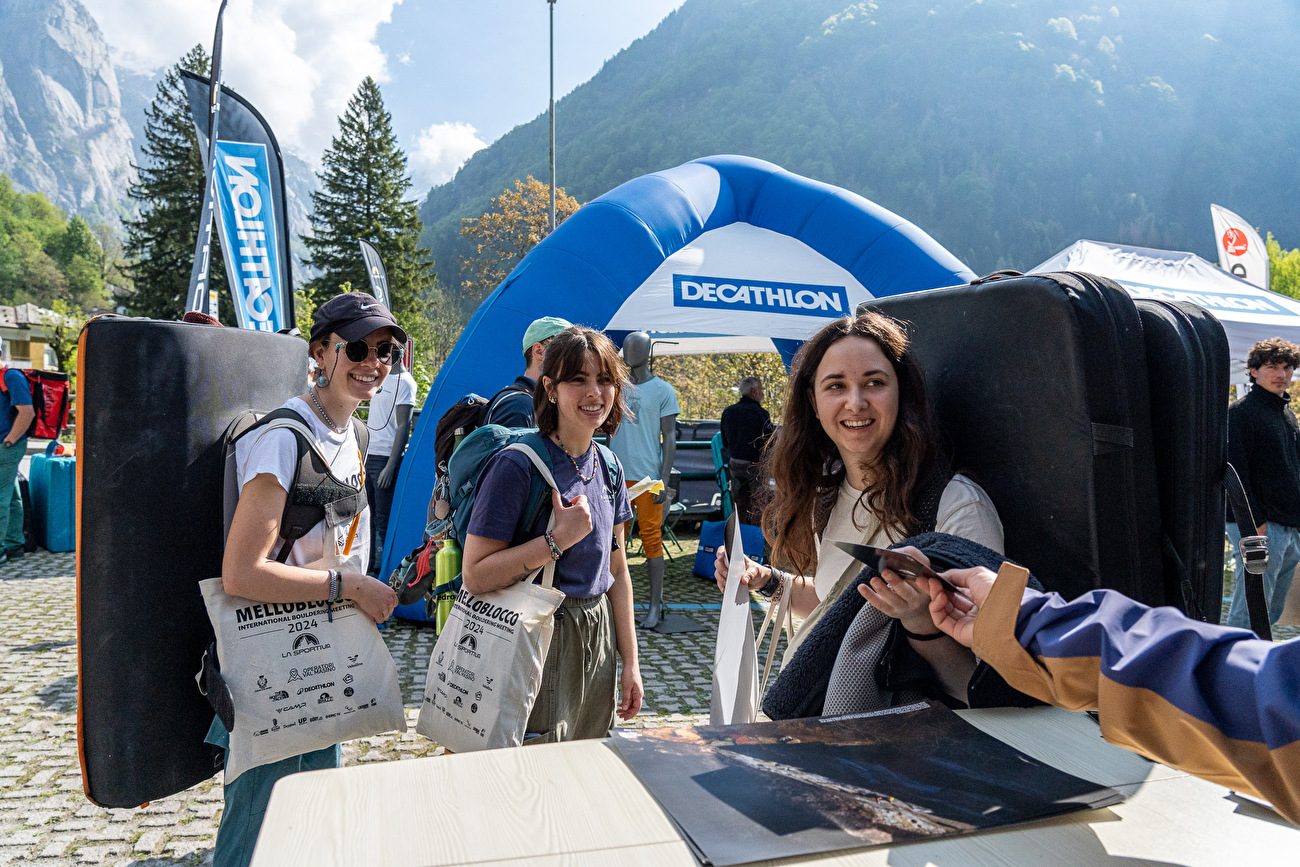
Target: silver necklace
x,y
329,422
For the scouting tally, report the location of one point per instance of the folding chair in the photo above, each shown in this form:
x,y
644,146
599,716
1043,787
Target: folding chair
x,y
723,474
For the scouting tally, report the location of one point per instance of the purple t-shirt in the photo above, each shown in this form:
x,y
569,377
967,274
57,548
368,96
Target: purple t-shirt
x,y
583,571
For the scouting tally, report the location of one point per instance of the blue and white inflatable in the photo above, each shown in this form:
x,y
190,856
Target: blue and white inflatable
x,y
722,254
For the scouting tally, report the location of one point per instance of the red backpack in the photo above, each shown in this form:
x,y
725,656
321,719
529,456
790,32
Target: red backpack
x,y
50,400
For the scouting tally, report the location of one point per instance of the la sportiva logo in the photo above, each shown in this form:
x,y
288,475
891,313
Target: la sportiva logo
x,y
726,293
305,640
1235,242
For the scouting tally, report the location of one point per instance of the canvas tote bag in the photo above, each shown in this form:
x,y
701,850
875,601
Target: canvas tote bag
x,y
298,681
486,669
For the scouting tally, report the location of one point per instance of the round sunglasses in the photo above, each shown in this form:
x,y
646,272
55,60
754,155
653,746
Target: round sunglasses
x,y
358,351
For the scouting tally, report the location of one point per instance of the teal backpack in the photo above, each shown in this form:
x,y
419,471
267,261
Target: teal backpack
x,y
453,502
471,457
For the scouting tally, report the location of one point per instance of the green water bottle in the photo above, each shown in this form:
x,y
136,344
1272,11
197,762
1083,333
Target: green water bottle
x,y
446,566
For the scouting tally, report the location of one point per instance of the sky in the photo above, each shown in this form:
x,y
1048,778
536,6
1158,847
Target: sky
x,y
455,74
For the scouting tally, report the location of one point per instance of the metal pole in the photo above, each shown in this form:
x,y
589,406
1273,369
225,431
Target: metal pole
x,y
551,3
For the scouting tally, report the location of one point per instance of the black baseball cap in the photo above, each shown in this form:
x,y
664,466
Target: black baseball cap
x,y
352,316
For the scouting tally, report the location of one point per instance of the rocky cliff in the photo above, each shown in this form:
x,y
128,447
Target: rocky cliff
x,y
61,126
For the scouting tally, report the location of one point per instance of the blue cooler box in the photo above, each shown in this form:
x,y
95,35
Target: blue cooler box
x,y
53,485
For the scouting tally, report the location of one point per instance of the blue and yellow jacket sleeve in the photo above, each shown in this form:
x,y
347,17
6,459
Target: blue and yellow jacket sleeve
x,y
1211,700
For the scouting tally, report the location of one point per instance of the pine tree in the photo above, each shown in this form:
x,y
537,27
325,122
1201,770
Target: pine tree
x,y
363,184
160,244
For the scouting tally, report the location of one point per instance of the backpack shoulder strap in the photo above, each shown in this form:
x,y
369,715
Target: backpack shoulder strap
x,y
362,432
510,389
611,467
534,447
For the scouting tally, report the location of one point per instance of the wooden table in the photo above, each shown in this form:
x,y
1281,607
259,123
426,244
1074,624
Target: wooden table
x,y
578,804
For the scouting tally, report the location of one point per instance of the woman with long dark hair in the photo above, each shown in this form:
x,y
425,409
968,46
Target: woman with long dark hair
x,y
579,394
858,458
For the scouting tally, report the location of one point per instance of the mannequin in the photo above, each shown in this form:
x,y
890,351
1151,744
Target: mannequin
x,y
647,446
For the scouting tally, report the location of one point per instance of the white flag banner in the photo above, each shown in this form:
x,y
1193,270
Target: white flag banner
x,y
1241,251
735,659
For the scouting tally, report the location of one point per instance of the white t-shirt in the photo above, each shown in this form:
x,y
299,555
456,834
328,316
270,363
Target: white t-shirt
x,y
276,452
964,510
638,442
397,390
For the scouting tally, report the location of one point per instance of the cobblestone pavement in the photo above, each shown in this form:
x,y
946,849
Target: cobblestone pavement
x,y
46,819
44,815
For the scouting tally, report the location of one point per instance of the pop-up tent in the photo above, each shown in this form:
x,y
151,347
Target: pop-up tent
x,y
1248,314
721,254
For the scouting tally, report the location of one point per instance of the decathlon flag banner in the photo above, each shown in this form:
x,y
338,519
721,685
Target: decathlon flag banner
x,y
376,272
250,200
1242,252
199,294
248,239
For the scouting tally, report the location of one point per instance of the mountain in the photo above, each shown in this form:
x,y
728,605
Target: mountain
x,y
61,126
1007,129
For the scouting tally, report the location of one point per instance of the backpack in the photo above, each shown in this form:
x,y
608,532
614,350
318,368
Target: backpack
x,y
50,400
315,493
453,500
466,415
471,458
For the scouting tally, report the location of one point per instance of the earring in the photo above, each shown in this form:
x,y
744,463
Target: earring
x,y
552,398
322,380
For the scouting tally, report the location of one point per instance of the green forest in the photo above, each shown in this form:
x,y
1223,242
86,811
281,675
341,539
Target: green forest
x,y
1007,130
47,259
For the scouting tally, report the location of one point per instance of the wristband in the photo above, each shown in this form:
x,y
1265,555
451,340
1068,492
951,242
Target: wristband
x,y
550,543
929,636
774,583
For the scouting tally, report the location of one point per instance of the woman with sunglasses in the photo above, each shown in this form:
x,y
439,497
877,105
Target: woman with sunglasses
x,y
354,341
579,394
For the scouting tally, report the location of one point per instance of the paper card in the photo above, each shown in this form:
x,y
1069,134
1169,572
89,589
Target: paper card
x,y
735,659
646,485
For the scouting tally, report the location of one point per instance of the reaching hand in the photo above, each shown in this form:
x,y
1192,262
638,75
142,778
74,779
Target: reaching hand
x,y
900,598
755,576
954,613
572,522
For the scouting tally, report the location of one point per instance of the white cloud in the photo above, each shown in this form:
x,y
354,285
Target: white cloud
x,y
297,61
440,150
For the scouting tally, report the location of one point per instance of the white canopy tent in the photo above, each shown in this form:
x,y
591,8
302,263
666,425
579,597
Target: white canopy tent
x,y
1248,314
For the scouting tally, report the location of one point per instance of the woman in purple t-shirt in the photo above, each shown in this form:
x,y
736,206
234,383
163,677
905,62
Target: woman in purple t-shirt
x,y
579,393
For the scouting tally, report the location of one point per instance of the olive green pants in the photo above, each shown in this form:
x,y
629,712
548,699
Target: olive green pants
x,y
577,696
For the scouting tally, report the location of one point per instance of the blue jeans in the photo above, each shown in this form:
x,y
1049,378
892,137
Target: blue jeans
x,y
248,794
11,501
1283,557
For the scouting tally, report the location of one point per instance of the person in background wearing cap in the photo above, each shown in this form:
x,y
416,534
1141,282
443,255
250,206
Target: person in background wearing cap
x,y
354,342
512,406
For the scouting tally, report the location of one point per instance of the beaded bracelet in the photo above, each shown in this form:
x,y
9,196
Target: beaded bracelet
x,y
329,595
550,543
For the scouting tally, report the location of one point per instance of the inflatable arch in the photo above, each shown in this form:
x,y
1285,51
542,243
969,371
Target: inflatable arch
x,y
721,254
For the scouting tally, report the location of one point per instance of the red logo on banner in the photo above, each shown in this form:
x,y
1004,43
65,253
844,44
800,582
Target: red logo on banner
x,y
1234,241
